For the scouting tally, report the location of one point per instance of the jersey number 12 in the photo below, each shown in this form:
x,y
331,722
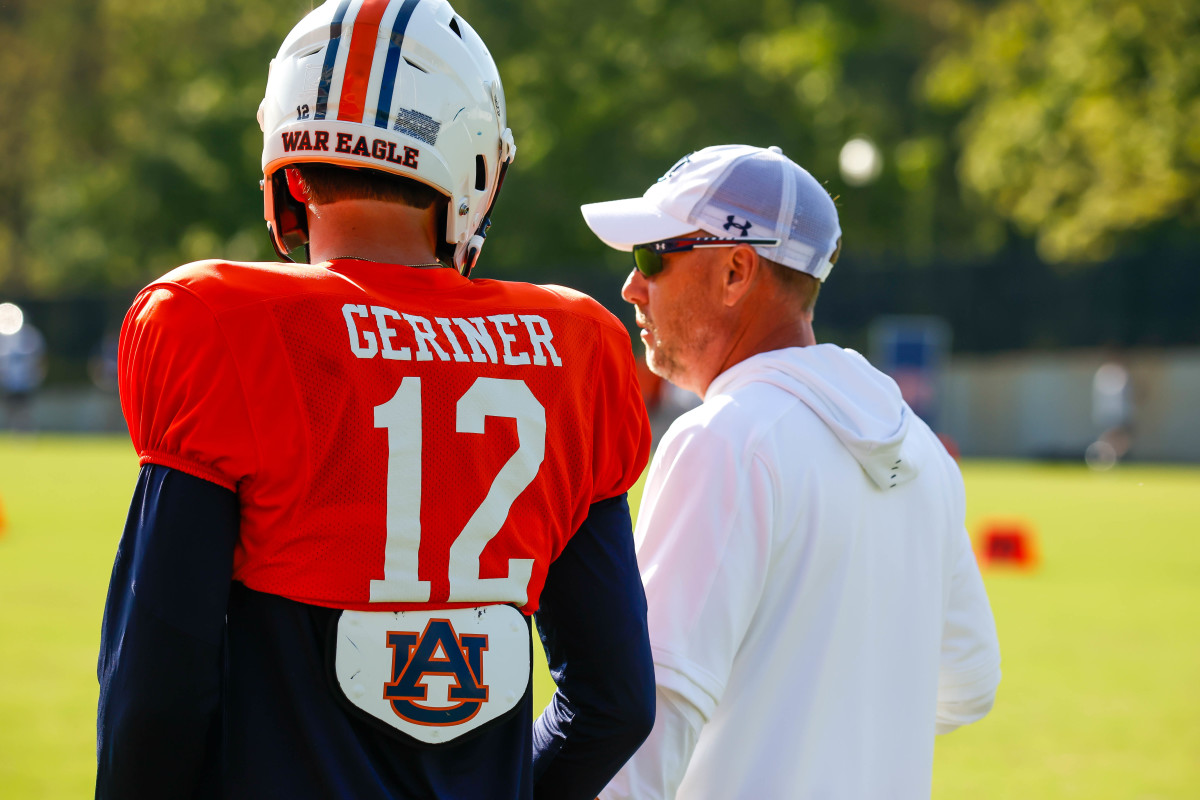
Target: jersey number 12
x,y
401,416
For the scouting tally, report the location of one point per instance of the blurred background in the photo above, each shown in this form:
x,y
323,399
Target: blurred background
x,y
1019,183
1019,189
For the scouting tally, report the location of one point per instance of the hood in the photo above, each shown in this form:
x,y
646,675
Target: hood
x,y
860,404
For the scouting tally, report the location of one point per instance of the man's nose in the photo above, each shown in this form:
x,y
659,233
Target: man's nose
x,y
634,290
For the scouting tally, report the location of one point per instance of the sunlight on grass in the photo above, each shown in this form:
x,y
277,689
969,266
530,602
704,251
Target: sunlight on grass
x,y
1100,643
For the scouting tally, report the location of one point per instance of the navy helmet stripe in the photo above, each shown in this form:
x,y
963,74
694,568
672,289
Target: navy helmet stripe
x,y
331,53
388,85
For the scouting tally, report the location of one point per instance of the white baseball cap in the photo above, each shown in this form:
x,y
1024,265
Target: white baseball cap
x,y
731,191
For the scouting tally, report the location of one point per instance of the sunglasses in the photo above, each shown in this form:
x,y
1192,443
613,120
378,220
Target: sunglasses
x,y
649,257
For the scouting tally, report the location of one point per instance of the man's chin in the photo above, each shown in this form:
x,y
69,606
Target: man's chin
x,y
661,367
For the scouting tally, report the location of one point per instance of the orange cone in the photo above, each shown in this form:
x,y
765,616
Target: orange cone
x,y
3,518
1007,543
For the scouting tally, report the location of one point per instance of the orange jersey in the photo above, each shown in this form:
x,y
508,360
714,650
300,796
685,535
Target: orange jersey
x,y
397,437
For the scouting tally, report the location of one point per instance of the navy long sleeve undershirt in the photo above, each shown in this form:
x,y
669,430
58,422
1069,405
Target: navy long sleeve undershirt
x,y
592,621
160,666
195,706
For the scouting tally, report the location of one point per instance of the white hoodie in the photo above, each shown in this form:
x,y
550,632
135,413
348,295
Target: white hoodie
x,y
815,609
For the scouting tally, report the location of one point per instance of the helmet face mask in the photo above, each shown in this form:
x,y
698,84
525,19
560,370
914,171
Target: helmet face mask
x,y
402,86
287,218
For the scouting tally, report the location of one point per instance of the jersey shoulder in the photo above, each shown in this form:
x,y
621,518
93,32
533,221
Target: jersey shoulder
x,y
222,285
181,393
551,296
585,305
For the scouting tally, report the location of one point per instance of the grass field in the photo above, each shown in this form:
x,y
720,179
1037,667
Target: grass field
x,y
1101,645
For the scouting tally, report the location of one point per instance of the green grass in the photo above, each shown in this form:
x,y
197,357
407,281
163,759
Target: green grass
x,y
1101,644
65,500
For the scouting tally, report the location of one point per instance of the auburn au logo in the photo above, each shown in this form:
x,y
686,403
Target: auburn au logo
x,y
441,660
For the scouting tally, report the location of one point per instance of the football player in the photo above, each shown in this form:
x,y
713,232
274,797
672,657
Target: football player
x,y
362,476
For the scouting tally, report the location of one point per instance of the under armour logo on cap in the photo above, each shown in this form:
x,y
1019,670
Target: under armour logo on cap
x,y
731,222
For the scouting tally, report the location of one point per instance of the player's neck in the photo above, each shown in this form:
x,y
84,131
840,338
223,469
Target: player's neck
x,y
374,230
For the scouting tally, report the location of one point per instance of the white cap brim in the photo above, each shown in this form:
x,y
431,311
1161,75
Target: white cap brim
x,y
621,224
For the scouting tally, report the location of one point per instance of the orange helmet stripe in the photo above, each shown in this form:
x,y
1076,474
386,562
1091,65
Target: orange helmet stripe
x,y
359,60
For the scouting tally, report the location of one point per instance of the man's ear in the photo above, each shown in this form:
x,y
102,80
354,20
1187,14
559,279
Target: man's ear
x,y
742,266
296,186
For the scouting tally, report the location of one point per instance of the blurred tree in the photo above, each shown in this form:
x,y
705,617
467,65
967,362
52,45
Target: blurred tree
x,y
1082,116
132,143
604,98
137,146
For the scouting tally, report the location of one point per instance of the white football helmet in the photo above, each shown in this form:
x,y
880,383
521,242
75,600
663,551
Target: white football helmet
x,y
402,86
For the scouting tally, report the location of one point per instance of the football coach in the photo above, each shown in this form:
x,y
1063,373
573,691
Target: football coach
x,y
816,613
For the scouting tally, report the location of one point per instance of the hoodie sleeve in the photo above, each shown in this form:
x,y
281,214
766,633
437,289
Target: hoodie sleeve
x,y
703,536
970,658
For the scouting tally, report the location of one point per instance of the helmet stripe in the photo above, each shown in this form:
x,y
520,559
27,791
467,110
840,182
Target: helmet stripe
x,y
331,52
358,62
383,109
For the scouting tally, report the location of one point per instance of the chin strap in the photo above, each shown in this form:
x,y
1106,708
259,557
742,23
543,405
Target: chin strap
x,y
473,247
508,151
